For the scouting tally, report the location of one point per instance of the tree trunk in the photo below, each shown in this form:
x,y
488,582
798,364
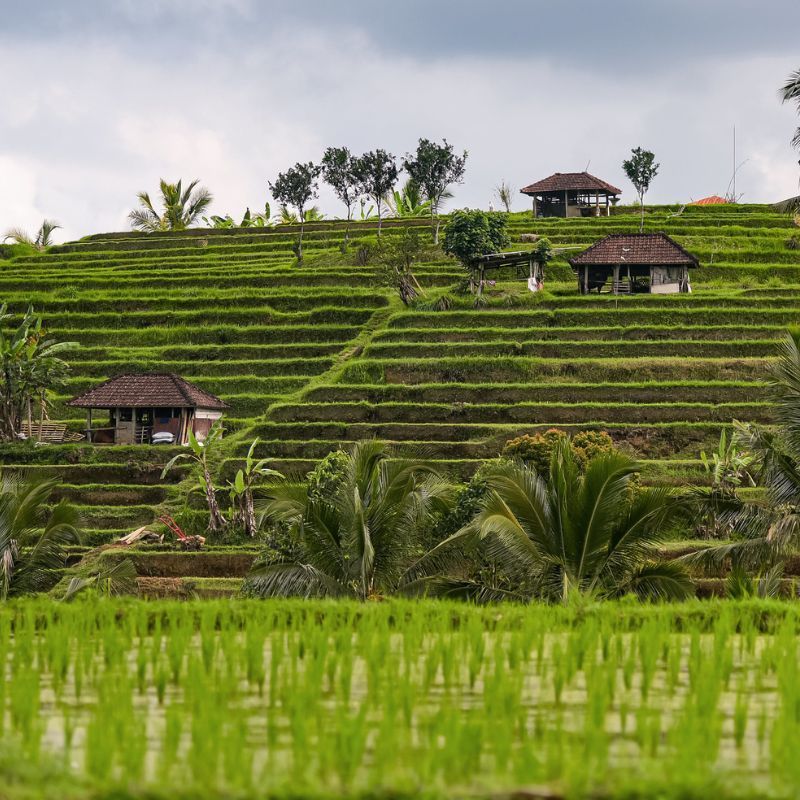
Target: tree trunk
x,y
215,519
641,206
300,240
378,204
249,513
435,226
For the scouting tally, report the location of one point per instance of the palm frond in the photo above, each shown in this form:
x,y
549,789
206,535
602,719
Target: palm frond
x,y
293,580
666,581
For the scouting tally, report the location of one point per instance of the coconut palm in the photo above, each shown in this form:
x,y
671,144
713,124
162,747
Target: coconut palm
x,y
33,533
41,241
575,533
181,208
362,538
31,364
765,534
790,93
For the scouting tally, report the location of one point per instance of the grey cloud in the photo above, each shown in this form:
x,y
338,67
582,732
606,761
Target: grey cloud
x,y
586,34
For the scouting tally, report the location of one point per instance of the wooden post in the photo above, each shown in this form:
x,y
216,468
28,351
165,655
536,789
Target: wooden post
x,y
616,279
534,207
597,204
89,425
566,204
608,207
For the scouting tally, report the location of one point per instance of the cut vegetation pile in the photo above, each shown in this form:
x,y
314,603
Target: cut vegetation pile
x,y
314,355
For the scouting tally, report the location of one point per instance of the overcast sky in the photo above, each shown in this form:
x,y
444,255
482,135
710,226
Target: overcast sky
x,y
101,98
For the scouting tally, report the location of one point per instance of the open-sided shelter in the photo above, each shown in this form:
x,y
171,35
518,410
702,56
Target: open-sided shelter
x,y
572,194
623,263
144,408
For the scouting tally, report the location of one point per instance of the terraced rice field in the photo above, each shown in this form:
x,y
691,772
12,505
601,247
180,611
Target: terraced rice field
x,y
315,355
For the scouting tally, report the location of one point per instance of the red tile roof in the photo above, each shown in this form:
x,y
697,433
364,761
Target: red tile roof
x,y
570,181
714,200
147,390
635,248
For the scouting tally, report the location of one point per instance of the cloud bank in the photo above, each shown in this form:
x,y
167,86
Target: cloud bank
x,y
101,99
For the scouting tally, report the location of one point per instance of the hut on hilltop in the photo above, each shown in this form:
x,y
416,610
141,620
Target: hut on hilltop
x,y
572,194
149,408
634,262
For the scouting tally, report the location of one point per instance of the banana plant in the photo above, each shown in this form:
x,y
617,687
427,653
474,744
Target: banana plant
x,y
198,456
242,486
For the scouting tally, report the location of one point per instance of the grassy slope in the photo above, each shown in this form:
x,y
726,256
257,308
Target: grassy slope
x,y
315,355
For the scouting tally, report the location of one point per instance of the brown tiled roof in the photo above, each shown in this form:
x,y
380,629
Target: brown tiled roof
x,y
147,390
570,181
635,248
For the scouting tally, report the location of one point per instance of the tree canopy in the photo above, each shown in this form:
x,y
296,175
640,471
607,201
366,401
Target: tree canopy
x,y
297,187
641,168
433,168
377,175
471,234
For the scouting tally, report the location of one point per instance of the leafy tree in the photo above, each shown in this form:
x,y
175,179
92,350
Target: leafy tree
x,y
200,459
297,187
472,234
41,241
505,194
377,174
435,167
641,169
181,208
33,533
243,486
31,365
576,532
360,537
397,261
339,171
790,93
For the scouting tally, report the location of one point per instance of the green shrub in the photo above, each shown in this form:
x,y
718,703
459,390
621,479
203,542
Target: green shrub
x,y
535,450
589,444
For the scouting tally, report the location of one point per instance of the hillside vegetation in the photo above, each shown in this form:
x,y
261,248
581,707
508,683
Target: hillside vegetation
x,y
313,355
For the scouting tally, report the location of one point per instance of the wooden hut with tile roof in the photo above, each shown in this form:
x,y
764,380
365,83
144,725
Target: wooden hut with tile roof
x,y
149,408
623,263
572,194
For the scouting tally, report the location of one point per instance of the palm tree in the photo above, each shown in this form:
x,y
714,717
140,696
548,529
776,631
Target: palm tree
x,y
764,535
31,365
363,538
182,208
33,533
575,533
790,92
41,241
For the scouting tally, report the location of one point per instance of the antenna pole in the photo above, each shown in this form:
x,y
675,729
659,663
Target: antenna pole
x,y
734,163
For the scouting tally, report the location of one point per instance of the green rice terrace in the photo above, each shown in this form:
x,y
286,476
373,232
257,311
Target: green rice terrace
x,y
315,355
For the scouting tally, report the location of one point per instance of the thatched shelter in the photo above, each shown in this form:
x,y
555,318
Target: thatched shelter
x,y
572,194
145,408
623,263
